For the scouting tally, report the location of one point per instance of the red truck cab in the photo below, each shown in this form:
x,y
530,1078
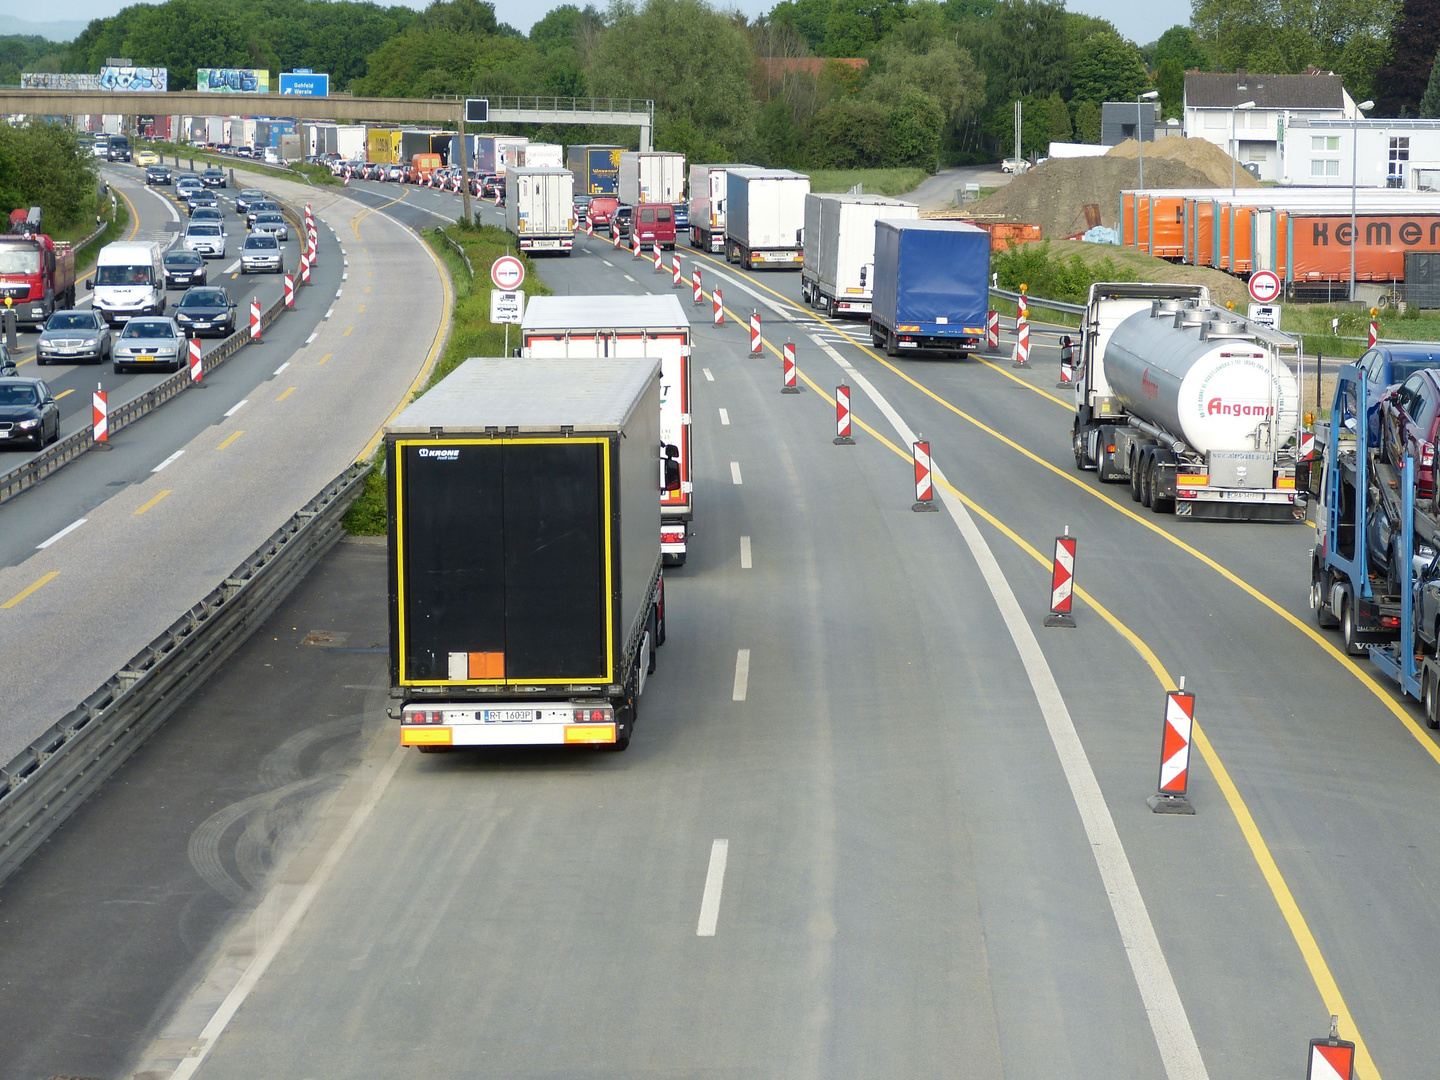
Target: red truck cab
x,y
37,275
654,223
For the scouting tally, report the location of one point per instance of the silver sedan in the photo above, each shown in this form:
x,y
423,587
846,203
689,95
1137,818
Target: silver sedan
x,y
150,342
73,337
270,223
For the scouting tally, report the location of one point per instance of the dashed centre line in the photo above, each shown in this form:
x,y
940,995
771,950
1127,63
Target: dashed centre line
x,y
708,377
151,502
725,417
714,884
742,675
230,440
744,553
30,589
287,393
735,473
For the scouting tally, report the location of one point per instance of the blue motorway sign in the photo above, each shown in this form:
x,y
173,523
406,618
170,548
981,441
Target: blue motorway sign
x,y
304,84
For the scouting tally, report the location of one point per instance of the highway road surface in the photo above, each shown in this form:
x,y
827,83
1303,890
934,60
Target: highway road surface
x,y
877,820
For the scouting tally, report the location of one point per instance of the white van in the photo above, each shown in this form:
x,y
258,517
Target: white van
x,y
129,280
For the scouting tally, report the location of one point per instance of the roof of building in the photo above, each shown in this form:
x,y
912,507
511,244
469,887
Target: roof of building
x,y
1204,90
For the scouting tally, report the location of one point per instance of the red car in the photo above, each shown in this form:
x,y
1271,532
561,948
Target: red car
x,y
654,223
602,210
1410,426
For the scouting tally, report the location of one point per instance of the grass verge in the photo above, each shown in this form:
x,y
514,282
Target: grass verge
x,y
873,181
471,334
315,174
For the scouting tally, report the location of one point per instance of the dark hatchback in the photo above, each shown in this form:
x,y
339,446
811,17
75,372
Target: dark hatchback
x,y
206,310
183,269
28,413
213,178
158,174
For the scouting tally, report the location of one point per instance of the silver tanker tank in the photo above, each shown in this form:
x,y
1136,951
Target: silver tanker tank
x,y
1199,374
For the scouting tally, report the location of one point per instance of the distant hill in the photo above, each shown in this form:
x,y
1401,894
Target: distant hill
x,y
67,30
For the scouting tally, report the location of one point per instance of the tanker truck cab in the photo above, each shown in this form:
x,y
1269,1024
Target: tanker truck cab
x,y
129,281
1191,405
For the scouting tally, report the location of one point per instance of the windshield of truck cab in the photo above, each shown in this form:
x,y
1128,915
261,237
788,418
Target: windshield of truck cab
x,y
19,259
123,275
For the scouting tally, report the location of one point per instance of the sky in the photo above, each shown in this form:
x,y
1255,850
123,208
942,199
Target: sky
x,y
1140,20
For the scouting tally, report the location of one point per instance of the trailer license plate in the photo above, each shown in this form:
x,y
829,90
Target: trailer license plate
x,y
1245,496
508,716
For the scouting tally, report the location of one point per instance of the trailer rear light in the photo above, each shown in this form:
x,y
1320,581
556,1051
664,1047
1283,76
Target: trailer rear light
x,y
594,716
1390,622
422,716
1427,454
1109,448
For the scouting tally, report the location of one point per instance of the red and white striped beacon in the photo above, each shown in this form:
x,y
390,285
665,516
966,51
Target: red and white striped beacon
x,y
1175,754
842,417
924,487
99,416
1062,582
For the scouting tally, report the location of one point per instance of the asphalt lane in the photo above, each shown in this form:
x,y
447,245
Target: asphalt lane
x,y
75,491
155,218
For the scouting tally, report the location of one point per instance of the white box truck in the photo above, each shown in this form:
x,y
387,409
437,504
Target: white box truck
x,y
650,326
838,277
707,205
350,141
540,208
652,177
765,217
535,156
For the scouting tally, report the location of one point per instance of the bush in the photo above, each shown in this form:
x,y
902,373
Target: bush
x,y
42,165
1047,275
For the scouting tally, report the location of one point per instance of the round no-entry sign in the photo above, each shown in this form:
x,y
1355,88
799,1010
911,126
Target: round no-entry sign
x,y
507,272
1264,286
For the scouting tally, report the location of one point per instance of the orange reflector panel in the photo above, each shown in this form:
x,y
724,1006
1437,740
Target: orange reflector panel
x,y
424,736
1193,480
589,733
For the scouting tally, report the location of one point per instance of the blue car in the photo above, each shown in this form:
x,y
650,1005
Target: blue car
x,y
1385,366
682,215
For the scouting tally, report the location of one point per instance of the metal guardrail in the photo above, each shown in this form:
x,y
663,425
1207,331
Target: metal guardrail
x,y
29,473
1040,301
459,251
48,780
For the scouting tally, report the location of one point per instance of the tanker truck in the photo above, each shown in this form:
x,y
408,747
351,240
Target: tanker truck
x,y
1192,405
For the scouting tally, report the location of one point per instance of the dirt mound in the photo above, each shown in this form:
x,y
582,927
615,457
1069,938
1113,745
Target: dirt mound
x,y
1054,195
1200,154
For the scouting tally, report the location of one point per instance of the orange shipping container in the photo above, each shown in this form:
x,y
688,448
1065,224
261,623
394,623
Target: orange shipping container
x,y
1318,246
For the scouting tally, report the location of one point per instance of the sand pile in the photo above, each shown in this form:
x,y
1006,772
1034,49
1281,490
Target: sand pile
x,y
1199,154
1053,195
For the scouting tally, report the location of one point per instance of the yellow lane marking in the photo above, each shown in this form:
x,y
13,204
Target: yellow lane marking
x,y
23,593
363,214
286,394
325,357
151,502
367,287
63,393
230,439
446,301
1396,708
1067,405
1289,909
362,306
348,331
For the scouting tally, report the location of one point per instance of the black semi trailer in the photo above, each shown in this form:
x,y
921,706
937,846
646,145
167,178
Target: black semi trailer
x,y
526,598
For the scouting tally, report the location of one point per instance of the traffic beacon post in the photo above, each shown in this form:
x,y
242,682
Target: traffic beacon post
x,y
1331,1058
1062,582
1175,754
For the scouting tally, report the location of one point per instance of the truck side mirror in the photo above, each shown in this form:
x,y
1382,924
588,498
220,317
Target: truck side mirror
x,y
671,467
89,284
864,273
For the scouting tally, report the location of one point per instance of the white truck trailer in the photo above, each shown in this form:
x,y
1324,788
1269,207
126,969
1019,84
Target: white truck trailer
x,y
1194,406
765,217
651,177
540,208
535,156
646,326
838,276
707,205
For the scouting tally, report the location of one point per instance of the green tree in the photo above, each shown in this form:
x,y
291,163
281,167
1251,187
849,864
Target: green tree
x,y
943,71
849,134
1430,100
1400,83
854,26
1060,128
1170,81
42,165
915,125
1087,122
1107,68
566,26
1287,36
1180,44
808,18
692,61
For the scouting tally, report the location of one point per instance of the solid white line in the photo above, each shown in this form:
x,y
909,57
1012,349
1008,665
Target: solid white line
x,y
1169,1022
232,267
724,417
708,376
744,553
714,882
742,675
735,472
66,531
168,461
310,340
282,367
236,407
266,956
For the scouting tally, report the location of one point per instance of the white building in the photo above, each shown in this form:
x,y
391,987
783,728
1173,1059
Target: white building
x,y
1257,136
1387,153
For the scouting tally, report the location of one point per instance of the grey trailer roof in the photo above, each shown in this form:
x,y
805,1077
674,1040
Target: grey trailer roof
x,y
536,170
603,312
933,225
781,174
860,200
499,393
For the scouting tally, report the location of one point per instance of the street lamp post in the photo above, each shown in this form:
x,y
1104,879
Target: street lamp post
x,y
1149,95
1235,146
1364,106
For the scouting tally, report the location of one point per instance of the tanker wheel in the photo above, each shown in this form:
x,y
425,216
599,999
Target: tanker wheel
x,y
1431,699
1134,477
1158,502
1147,479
